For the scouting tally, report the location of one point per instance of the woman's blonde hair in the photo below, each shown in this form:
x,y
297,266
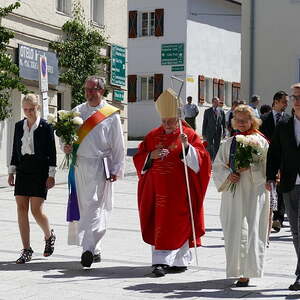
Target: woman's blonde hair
x,y
246,109
31,99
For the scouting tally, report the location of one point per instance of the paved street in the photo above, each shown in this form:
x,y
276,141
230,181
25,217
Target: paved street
x,y
125,271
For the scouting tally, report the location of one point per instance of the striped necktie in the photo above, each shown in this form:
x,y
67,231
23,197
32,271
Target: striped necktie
x,y
277,117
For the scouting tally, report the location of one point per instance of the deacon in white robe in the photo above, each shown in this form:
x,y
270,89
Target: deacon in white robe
x,y
94,191
244,214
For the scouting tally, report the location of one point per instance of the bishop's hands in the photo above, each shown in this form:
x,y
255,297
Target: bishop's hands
x,y
159,153
184,139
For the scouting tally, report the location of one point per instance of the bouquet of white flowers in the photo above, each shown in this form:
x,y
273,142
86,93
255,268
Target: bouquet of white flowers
x,y
66,127
249,150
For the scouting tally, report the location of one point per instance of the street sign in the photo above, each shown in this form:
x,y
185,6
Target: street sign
x,y
43,74
118,66
118,95
172,54
29,64
177,68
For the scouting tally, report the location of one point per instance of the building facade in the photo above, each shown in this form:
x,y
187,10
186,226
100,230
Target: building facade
x,y
35,24
270,47
197,41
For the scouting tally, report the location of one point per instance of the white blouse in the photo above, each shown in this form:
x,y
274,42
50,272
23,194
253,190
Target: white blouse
x,y
28,145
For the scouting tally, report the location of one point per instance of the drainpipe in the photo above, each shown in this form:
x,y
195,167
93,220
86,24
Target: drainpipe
x,y
252,47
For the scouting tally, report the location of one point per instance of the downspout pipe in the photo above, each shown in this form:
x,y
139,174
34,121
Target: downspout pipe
x,y
252,47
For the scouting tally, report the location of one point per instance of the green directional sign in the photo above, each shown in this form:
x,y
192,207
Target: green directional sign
x,y
118,66
118,95
172,54
177,68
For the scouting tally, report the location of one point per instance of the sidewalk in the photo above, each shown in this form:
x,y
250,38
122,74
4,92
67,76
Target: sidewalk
x,y
125,271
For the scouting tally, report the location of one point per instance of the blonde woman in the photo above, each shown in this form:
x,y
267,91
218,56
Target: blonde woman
x,y
245,212
32,172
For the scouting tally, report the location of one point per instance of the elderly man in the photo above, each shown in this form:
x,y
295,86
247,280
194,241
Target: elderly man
x,y
213,127
162,192
101,151
283,156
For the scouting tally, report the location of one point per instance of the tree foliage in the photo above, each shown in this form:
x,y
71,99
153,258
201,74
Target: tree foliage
x,y
79,52
9,71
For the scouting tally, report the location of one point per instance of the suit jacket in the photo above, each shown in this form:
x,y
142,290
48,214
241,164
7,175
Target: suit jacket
x,y
213,124
284,155
268,124
44,143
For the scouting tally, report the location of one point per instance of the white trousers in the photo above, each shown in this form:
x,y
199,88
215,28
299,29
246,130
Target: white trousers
x,y
95,205
181,257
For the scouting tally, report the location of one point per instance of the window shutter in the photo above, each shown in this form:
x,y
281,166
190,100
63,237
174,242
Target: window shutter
x,y
132,26
159,22
132,88
221,89
158,85
201,85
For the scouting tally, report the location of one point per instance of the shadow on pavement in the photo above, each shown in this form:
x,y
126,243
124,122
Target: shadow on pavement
x,y
72,269
131,151
210,289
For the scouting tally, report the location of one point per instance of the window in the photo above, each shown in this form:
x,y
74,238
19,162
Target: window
x,y
64,6
201,89
236,91
147,87
97,8
147,23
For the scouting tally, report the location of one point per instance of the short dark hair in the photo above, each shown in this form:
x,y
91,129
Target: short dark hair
x,y
189,97
255,98
265,108
279,95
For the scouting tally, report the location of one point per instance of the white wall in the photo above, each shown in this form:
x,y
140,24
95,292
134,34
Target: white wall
x,y
213,47
277,47
144,57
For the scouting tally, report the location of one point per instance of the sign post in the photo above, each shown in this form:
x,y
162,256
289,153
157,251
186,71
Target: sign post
x,y
43,84
172,54
118,66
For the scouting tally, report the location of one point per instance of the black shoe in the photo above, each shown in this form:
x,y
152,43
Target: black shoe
x,y
176,269
296,285
26,256
159,270
87,259
242,283
97,258
49,246
276,225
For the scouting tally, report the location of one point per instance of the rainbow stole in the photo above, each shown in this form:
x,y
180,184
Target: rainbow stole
x,y
100,115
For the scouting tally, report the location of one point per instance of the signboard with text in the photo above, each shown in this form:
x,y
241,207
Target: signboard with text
x,y
118,66
172,54
29,60
118,95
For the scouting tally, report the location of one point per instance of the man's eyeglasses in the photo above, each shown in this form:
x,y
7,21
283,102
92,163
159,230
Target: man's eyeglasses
x,y
293,97
92,89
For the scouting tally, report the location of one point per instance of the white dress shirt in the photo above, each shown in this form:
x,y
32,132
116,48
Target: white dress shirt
x,y
297,136
274,115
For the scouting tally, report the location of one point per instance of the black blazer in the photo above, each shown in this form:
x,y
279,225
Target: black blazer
x,y
44,143
283,155
268,124
213,125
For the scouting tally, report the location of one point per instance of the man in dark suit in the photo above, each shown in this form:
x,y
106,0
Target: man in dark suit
x,y
270,121
283,155
213,127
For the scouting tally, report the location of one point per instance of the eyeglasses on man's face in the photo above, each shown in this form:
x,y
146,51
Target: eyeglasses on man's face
x,y
92,89
294,97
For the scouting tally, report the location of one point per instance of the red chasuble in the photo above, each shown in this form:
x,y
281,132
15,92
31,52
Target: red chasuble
x,y
162,193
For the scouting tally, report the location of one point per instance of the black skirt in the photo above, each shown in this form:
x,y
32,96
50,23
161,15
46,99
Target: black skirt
x,y
31,177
